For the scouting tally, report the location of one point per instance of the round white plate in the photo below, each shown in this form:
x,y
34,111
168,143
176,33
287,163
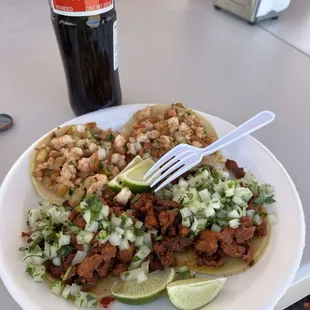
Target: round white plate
x,y
258,288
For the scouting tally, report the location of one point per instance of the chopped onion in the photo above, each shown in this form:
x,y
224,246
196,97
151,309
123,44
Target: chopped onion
x,y
101,153
78,258
56,261
128,223
185,212
153,232
257,219
105,211
202,223
84,237
143,252
116,221
208,211
181,269
92,227
138,224
119,230
233,214
141,277
230,192
80,128
138,146
186,222
239,201
86,247
215,203
204,195
234,223
75,289
250,213
147,239
63,239
183,183
87,216
139,241
216,228
129,235
146,266
115,239
194,225
272,219
105,224
124,245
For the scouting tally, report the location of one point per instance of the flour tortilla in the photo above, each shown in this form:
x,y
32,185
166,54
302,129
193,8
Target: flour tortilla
x,y
161,109
232,265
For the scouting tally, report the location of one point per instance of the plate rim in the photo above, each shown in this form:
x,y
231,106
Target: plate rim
x,y
9,283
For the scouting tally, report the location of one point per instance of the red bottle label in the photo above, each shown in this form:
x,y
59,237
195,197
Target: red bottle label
x,y
81,7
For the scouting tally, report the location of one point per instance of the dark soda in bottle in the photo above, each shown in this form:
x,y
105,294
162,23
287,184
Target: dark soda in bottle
x,y
86,32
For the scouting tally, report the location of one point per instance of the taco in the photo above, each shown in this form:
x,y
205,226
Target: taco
x,y
222,264
156,129
74,160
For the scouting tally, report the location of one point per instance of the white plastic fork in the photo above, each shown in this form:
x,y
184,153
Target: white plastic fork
x,y
184,157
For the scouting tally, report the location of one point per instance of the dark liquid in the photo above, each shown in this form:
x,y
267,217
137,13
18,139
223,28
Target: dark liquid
x,y
86,48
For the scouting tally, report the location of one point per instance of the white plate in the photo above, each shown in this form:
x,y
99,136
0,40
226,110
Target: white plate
x,y
256,289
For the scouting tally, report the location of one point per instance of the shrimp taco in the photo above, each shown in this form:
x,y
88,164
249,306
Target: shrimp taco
x,y
157,129
74,160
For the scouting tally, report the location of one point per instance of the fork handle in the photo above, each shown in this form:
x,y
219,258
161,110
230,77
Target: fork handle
x,y
258,121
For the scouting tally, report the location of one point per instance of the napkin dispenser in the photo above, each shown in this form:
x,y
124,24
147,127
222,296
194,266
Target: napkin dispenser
x,y
253,10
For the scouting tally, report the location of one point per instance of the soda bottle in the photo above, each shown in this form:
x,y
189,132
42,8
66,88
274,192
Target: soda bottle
x,y
86,32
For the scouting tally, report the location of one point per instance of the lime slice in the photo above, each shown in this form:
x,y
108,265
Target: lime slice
x,y
133,178
193,294
115,183
134,293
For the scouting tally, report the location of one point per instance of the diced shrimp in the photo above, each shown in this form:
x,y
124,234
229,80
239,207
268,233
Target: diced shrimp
x,y
153,134
55,154
92,146
148,125
42,156
171,112
115,171
76,153
38,172
94,162
59,161
119,141
173,124
197,144
132,140
116,158
164,141
122,150
122,164
199,131
179,137
184,128
143,114
67,173
84,164
98,181
132,148
142,137
59,142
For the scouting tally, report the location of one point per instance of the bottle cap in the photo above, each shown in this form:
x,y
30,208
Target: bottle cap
x,y
6,122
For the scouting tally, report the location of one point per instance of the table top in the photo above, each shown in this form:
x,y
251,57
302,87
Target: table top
x,y
170,51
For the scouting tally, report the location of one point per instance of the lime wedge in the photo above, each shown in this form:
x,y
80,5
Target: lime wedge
x,y
133,178
115,183
134,293
193,294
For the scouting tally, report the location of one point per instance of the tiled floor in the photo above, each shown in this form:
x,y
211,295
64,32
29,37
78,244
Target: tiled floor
x,y
293,26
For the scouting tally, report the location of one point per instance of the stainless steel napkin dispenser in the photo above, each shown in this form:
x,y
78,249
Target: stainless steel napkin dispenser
x,y
253,10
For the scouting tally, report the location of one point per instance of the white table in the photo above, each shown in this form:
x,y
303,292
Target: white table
x,y
170,51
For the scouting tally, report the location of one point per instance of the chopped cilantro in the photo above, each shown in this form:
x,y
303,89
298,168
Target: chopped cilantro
x,y
124,219
134,199
184,275
101,166
139,232
136,259
126,274
108,137
29,270
159,238
262,199
70,191
34,244
94,202
65,250
51,238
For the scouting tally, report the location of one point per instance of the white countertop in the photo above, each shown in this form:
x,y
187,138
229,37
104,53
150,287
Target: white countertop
x,y
170,51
